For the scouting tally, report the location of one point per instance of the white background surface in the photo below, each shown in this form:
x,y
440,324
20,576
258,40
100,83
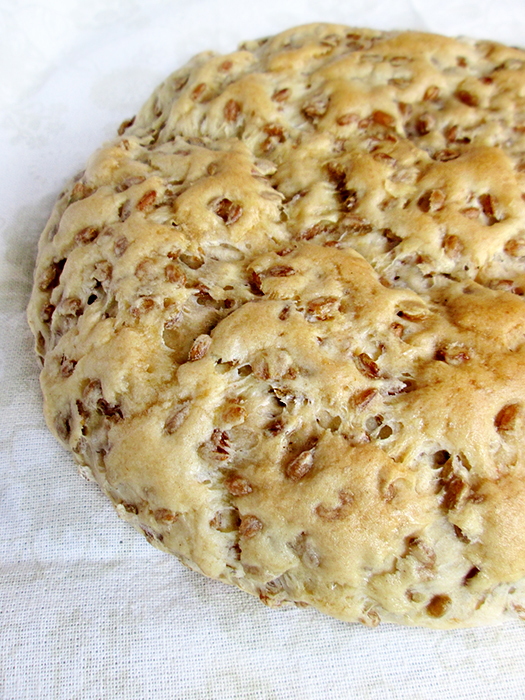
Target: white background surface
x,y
87,608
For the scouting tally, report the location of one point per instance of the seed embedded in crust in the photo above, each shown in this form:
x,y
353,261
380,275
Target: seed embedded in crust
x,y
198,92
489,205
438,606
322,308
80,191
238,485
446,154
142,307
316,108
506,418
339,512
228,211
200,347
165,515
87,235
431,94
250,526
367,366
176,419
120,246
515,247
424,124
300,466
432,200
50,278
452,245
280,271
467,98
232,109
146,200
125,125
453,354
281,95
383,118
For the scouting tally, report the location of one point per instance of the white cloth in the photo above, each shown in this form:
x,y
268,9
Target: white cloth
x,y
87,608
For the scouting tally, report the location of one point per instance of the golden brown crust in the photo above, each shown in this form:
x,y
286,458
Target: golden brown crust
x,y
282,325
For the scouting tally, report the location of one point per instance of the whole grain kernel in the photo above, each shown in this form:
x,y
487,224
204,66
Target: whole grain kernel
x,y
383,158
431,94
80,191
124,211
146,200
146,270
452,245
438,605
281,95
198,92
413,310
111,411
260,368
165,515
200,347
49,279
125,125
275,131
174,275
506,418
346,499
424,124
120,246
322,308
143,306
233,414
250,525
86,235
300,466
284,313
470,212
367,366
316,108
176,419
131,508
129,182
280,271
67,366
446,154
515,247
228,211
232,110
46,313
431,200
400,83
468,98
453,488
383,118
397,329
453,354
238,485
489,205
348,118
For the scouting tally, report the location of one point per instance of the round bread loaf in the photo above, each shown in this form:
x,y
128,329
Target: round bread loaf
x,y
282,324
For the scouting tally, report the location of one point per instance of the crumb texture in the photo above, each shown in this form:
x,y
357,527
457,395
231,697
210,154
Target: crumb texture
x,y
282,324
